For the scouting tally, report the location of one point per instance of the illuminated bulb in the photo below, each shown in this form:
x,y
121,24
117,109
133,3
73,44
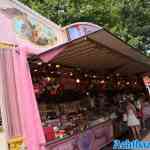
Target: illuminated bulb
x,y
52,72
107,77
117,74
35,70
87,93
39,63
102,81
135,83
49,65
86,75
78,80
118,82
58,72
127,83
94,76
71,74
57,66
48,78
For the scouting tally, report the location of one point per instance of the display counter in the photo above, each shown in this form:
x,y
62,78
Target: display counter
x,y
93,138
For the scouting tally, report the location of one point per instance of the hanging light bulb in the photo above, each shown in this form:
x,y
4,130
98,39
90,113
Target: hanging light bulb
x,y
102,81
77,80
127,83
117,74
108,77
118,82
71,74
48,78
94,76
52,72
58,72
49,65
57,66
35,70
85,75
39,63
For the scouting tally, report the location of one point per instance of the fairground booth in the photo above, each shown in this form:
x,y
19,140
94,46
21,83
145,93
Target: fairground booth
x,y
65,88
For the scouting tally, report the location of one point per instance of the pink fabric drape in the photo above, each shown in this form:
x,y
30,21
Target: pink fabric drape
x,y
49,55
22,110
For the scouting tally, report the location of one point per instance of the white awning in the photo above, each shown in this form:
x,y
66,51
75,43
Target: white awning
x,y
101,52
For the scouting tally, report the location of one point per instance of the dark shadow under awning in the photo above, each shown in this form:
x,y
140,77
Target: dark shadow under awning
x,y
101,52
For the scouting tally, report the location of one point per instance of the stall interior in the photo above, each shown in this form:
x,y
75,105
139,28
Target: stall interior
x,y
71,99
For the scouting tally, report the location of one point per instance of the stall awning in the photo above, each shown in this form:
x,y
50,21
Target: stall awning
x,y
101,52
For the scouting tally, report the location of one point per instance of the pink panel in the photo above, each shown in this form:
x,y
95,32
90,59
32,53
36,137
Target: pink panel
x,y
7,34
49,55
22,107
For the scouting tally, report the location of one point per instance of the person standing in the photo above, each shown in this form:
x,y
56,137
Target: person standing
x,y
132,120
140,114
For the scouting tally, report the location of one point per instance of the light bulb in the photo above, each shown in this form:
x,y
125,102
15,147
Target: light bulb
x,y
78,80
39,63
57,66
102,81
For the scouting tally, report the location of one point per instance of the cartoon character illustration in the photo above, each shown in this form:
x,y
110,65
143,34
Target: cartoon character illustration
x,y
29,28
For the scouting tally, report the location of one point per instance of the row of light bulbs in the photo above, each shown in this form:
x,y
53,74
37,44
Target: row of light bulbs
x,y
85,75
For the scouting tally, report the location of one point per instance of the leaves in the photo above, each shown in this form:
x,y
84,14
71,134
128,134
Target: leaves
x,y
128,19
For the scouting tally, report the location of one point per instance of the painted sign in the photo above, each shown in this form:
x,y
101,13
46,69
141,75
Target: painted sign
x,y
30,29
81,29
27,28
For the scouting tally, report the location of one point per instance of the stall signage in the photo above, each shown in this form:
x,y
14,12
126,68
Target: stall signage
x,y
81,29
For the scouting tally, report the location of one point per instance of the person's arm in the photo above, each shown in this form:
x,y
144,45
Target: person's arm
x,y
134,109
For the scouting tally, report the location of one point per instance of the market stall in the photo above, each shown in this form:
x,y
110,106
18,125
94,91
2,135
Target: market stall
x,y
75,71
80,88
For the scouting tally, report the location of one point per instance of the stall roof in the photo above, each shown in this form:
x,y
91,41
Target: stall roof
x,y
100,51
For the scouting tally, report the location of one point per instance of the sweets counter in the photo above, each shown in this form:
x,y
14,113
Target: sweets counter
x,y
93,138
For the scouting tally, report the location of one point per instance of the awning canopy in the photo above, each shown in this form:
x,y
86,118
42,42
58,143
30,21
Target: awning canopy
x,y
101,52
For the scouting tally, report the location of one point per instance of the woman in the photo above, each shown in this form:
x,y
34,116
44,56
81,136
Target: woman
x,y
140,114
132,120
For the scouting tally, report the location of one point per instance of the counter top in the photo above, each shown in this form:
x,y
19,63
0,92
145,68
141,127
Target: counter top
x,y
67,137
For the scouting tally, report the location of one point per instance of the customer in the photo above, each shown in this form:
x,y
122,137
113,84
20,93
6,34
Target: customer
x,y
132,120
139,107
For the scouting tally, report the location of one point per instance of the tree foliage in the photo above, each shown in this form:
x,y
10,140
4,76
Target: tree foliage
x,y
128,19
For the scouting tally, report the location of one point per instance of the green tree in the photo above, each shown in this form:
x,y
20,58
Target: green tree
x,y
128,19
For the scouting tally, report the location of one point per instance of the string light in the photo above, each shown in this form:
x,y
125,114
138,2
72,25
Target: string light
x,y
58,72
57,66
118,83
77,80
127,83
117,74
102,81
39,63
49,65
35,70
71,74
94,76
48,78
108,77
85,75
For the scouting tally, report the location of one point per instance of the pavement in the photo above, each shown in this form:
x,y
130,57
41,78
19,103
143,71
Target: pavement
x,y
3,142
